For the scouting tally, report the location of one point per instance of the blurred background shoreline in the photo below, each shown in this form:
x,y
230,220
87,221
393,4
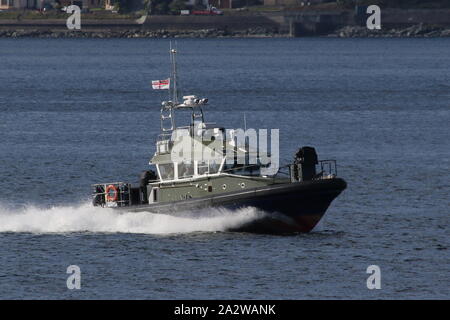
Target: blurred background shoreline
x,y
226,18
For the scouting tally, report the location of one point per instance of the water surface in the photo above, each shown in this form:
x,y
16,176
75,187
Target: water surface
x,y
79,111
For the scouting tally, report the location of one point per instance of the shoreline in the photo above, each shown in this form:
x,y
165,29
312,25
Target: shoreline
x,y
414,31
341,23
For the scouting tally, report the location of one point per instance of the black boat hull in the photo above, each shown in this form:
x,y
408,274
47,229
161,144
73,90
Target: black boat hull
x,y
291,207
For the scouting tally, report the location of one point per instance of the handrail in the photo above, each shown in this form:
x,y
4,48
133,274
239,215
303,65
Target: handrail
x,y
332,166
124,194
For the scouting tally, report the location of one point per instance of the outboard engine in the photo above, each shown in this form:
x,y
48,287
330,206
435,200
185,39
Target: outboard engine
x,y
304,167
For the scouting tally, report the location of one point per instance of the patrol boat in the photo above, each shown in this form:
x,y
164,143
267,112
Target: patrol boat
x,y
202,165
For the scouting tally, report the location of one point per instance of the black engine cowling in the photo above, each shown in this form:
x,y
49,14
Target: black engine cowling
x,y
305,162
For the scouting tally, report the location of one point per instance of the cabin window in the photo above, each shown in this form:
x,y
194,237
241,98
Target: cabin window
x,y
208,167
202,167
214,166
166,171
249,170
185,170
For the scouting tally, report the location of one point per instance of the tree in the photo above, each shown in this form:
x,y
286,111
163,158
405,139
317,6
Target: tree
x,y
177,5
160,6
123,6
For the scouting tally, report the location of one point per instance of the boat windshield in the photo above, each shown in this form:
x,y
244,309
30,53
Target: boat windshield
x,y
208,167
166,171
185,170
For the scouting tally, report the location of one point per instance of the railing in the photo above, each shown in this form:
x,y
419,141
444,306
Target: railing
x,y
164,137
327,169
331,166
123,196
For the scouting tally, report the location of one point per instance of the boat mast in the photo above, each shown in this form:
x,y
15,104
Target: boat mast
x,y
192,102
167,119
173,60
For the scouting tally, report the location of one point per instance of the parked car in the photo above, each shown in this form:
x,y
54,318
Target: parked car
x,y
211,11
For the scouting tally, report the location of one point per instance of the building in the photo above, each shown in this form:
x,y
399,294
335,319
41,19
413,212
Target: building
x,y
132,5
6,4
84,4
194,2
139,4
17,4
109,4
294,2
39,4
219,4
222,4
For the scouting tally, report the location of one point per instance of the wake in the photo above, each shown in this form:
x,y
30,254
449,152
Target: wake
x,y
86,218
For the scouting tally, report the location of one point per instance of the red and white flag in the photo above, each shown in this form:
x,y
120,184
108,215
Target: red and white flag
x,y
161,84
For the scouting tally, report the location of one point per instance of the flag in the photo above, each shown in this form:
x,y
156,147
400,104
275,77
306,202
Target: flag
x,y
161,84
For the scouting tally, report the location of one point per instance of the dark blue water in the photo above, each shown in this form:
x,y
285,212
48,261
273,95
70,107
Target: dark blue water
x,y
77,112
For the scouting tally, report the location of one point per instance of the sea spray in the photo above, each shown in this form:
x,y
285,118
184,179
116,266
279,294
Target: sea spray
x,y
85,218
